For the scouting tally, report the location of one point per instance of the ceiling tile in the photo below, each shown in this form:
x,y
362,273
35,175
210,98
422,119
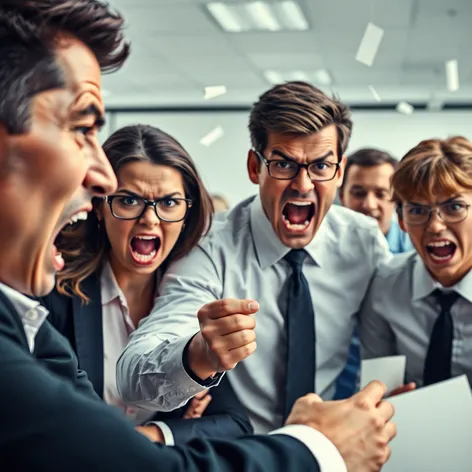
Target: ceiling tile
x,y
340,14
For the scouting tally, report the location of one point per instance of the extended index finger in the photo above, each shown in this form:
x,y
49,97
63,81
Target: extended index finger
x,y
228,306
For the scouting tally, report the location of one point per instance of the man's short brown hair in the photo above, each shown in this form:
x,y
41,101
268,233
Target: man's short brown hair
x,y
298,108
432,168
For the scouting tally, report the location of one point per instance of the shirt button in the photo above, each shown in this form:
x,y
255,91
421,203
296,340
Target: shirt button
x,y
31,315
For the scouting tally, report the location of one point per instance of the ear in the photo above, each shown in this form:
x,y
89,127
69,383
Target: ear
x,y
340,177
253,166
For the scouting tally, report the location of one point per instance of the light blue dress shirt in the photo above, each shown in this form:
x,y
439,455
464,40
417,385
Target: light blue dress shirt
x,y
400,311
243,258
398,241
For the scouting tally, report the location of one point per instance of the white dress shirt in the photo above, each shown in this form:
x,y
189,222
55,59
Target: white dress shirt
x,y
243,258
400,311
31,313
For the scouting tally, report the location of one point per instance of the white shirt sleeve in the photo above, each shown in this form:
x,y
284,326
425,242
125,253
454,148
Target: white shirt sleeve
x,y
166,432
328,457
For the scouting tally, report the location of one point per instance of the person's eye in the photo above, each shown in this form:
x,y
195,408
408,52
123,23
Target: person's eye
x,y
85,130
455,207
284,164
417,210
128,201
321,165
169,202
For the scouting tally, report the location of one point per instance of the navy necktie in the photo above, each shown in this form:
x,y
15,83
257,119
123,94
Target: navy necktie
x,y
300,328
437,366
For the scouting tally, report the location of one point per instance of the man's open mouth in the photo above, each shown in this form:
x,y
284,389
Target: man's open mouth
x,y
57,256
144,248
441,251
297,215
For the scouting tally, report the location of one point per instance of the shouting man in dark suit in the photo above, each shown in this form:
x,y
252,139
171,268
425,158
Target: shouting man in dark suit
x,y
51,165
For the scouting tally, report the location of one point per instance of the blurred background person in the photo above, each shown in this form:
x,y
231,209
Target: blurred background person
x,y
220,203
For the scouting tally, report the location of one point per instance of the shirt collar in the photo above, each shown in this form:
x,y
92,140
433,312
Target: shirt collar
x,y
269,248
424,284
21,302
109,287
32,314
110,290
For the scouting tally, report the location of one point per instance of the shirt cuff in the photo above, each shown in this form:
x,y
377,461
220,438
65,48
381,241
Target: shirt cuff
x,y
328,457
210,381
166,432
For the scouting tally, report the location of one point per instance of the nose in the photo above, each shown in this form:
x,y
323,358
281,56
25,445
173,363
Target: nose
x,y
436,224
302,182
369,202
100,178
149,217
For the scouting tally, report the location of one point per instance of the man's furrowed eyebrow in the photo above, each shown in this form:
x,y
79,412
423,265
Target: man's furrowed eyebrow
x,y
284,156
88,111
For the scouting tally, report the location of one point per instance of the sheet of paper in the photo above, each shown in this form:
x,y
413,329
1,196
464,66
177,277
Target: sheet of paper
x,y
434,429
389,370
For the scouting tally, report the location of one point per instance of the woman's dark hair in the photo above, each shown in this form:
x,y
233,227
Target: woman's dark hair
x,y
85,245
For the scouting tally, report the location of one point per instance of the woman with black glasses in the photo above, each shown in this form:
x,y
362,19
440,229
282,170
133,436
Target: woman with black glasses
x,y
114,261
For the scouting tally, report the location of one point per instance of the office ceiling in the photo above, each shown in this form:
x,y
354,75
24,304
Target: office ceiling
x,y
178,49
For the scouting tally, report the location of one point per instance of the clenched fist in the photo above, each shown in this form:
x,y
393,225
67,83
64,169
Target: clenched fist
x,y
226,336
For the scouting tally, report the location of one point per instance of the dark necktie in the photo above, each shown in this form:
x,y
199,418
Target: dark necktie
x,y
300,328
437,366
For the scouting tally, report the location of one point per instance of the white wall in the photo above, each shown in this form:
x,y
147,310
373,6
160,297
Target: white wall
x,y
223,165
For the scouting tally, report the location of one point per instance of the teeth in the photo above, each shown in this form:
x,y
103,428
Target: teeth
x,y
147,238
144,257
83,215
440,258
301,203
439,244
296,227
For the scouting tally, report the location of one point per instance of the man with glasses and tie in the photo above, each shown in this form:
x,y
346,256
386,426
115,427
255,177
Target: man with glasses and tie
x,y
286,260
420,304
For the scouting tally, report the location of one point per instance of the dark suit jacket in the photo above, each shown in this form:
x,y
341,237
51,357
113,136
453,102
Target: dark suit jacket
x,y
81,324
50,421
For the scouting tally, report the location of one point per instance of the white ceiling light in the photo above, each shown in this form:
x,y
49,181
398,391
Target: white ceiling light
x,y
212,136
452,75
226,17
405,108
273,77
322,77
299,75
259,16
317,77
214,91
293,15
374,93
263,16
369,44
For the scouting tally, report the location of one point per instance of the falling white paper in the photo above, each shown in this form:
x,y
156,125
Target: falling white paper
x,y
434,429
369,44
374,93
212,136
214,91
405,108
452,75
389,370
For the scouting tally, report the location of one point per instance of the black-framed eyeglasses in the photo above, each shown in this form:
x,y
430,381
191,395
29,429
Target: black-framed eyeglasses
x,y
282,169
129,207
449,212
